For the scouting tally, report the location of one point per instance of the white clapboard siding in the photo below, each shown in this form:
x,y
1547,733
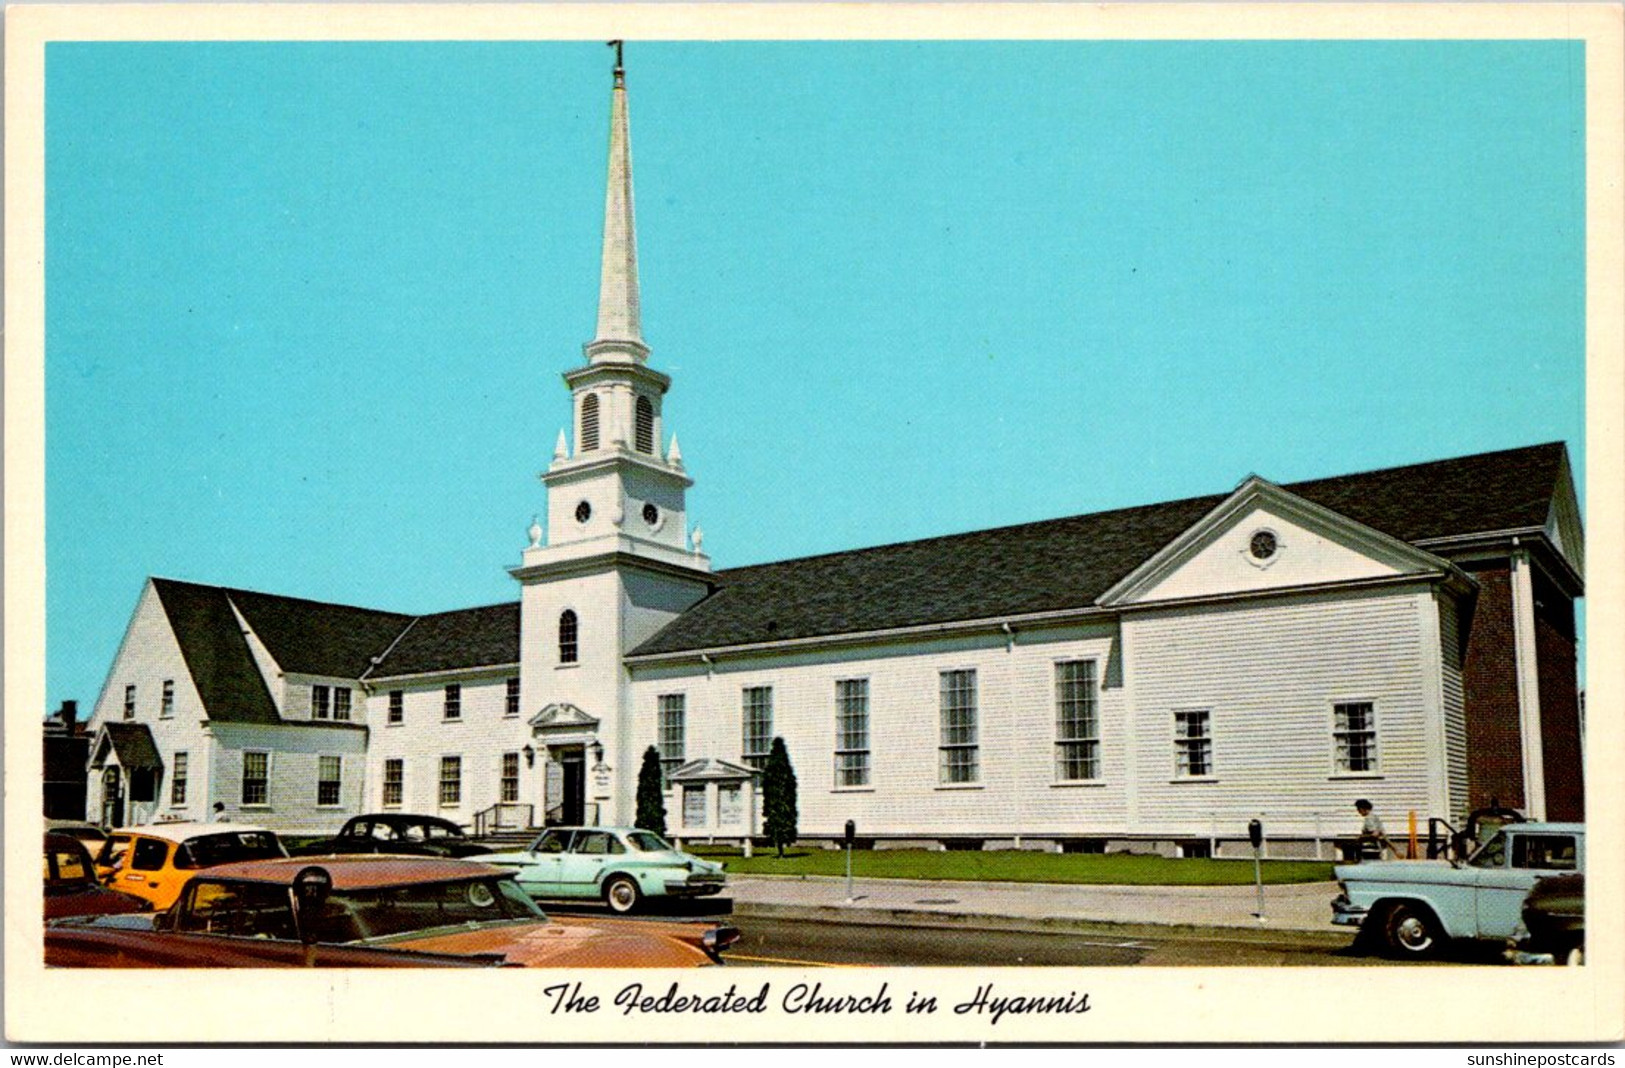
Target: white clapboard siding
x,y
148,656
295,751
1455,712
1269,674
1015,793
483,733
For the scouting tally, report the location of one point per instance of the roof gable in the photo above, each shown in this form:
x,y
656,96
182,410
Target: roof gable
x,y
1303,544
217,656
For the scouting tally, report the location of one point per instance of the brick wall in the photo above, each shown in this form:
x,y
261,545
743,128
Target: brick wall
x,y
1559,702
1490,679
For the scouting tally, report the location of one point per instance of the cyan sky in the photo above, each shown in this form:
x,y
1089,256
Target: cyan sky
x,y
307,305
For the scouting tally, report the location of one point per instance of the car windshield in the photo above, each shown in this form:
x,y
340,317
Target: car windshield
x,y
647,842
1492,855
227,848
355,915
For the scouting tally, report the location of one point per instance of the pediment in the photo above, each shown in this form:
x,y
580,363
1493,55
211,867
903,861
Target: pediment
x,y
563,716
1264,538
711,769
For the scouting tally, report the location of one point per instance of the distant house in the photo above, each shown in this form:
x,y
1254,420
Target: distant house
x,y
65,748
1147,677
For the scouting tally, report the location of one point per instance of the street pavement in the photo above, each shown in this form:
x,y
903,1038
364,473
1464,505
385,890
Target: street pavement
x,y
1297,913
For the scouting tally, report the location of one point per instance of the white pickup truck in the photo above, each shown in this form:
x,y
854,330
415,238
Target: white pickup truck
x,y
1415,907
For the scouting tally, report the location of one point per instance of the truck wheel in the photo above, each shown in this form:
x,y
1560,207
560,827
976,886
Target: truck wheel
x,y
621,894
1412,932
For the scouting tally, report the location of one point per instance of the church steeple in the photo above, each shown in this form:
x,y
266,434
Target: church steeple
x,y
620,329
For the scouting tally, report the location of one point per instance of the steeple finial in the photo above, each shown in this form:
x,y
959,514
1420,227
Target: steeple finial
x,y
620,331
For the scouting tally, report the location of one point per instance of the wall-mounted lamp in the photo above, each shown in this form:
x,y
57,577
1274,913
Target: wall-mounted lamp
x,y
530,756
597,752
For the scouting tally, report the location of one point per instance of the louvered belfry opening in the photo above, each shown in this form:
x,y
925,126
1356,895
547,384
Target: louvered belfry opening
x,y
589,422
645,430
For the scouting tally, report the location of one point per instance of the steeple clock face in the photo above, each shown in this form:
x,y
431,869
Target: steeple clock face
x,y
651,516
583,512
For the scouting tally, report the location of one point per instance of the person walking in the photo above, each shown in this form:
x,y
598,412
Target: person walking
x,y
1373,840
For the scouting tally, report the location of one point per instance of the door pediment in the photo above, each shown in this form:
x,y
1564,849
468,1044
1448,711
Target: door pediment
x,y
1264,538
562,718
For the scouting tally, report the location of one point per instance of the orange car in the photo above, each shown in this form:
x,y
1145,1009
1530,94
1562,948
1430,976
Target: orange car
x,y
373,911
154,862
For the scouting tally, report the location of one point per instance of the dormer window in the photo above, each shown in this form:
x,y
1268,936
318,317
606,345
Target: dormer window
x,y
645,429
589,422
569,650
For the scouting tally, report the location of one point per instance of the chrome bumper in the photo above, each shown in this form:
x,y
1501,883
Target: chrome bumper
x,y
696,886
1347,914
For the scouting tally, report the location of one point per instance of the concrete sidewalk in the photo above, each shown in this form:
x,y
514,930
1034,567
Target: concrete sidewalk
x,y
1298,912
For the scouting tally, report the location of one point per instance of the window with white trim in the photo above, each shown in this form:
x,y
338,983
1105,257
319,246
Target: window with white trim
x,y
394,782
177,779
511,707
1077,724
166,706
329,780
757,717
510,777
341,702
451,780
673,707
1193,743
320,701
569,637
957,753
1354,736
453,708
129,702
397,706
852,732
256,777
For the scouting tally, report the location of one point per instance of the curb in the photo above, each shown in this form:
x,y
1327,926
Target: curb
x,y
897,917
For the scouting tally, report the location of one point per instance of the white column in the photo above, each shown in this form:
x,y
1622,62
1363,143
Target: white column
x,y
1523,645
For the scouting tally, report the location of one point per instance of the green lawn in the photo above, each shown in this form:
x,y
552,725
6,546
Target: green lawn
x,y
1119,869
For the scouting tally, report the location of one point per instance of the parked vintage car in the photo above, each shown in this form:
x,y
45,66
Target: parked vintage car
x,y
622,865
1553,930
1416,907
89,835
396,832
371,911
71,888
155,861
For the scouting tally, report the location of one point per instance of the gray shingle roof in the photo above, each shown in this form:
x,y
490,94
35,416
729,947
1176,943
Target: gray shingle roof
x,y
216,653
1069,563
468,637
134,745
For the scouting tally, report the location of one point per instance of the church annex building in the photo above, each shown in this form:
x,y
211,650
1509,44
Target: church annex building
x,y
1146,678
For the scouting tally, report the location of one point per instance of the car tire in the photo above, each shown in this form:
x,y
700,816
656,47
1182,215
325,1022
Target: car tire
x,y
621,893
1411,932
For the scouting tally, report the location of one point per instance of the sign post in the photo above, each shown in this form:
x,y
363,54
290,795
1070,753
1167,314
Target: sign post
x,y
851,833
1255,835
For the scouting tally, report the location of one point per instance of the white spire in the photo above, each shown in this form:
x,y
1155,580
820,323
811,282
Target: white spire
x,y
561,450
674,455
620,329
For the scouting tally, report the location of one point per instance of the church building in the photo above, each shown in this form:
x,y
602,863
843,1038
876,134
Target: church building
x,y
1149,678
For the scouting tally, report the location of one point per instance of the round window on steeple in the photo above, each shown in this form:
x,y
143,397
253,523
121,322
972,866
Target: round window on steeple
x,y
583,512
651,516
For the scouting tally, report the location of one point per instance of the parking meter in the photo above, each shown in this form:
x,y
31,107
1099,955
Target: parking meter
x,y
1255,833
851,833
310,889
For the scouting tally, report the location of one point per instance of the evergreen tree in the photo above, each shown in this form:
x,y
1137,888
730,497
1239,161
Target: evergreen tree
x,y
651,797
779,797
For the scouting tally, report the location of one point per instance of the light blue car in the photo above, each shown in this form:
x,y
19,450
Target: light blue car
x,y
622,865
1415,907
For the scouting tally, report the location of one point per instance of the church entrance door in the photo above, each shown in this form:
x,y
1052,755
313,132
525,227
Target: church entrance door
x,y
574,763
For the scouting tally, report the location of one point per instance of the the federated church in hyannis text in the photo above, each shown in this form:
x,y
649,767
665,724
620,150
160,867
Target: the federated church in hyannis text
x,y
1147,678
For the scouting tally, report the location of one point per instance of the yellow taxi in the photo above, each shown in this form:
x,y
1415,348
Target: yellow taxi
x,y
154,862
